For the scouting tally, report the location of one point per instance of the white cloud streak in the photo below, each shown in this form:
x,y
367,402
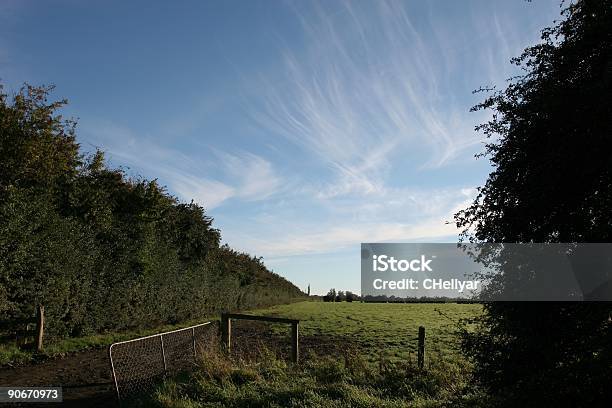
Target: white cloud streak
x,y
244,175
365,88
398,215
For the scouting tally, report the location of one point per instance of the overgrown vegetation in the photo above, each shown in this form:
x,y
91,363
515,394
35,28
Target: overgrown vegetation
x,y
320,381
552,182
102,251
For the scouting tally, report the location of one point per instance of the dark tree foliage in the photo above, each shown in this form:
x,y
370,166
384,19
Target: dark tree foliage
x,y
102,251
552,182
331,296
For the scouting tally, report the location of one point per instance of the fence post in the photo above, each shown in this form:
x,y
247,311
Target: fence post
x,y
161,340
40,327
193,340
112,364
226,332
421,349
295,352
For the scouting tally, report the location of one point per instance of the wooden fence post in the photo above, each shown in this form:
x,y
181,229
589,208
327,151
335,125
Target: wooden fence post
x,y
225,326
295,352
421,349
193,343
40,327
226,332
163,353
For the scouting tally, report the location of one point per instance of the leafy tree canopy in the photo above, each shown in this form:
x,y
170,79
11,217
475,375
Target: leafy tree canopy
x,y
549,143
100,250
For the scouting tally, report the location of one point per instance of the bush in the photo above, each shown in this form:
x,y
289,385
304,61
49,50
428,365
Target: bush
x,y
102,251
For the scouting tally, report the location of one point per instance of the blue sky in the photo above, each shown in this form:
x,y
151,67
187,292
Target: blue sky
x,y
304,128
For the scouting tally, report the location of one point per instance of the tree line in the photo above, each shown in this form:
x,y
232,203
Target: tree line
x,y
340,296
101,250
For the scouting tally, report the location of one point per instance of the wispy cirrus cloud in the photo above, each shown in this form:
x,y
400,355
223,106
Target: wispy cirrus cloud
x,y
367,93
365,87
240,175
394,215
255,177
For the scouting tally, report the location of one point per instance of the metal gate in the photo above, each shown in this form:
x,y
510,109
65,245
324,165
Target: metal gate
x,y
138,364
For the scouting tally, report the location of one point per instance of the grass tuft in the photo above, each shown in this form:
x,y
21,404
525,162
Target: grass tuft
x,y
266,381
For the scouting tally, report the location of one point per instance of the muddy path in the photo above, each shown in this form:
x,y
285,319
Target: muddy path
x,y
85,377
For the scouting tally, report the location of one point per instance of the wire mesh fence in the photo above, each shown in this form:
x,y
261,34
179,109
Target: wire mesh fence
x,y
139,364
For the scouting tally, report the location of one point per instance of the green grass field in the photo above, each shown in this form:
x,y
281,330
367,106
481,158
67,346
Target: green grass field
x,y
373,363
378,329
353,354
381,329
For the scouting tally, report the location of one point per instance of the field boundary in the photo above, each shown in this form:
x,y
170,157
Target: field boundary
x,y
226,330
137,364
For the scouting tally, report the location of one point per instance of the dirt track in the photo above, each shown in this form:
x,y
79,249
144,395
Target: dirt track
x,y
85,377
87,380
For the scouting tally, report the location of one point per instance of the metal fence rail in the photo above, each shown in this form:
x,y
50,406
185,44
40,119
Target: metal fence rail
x,y
138,364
